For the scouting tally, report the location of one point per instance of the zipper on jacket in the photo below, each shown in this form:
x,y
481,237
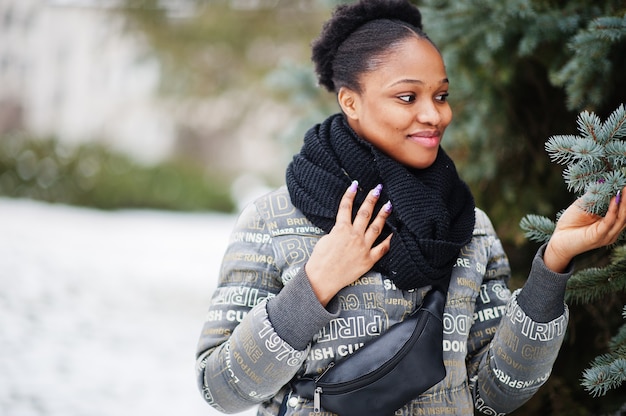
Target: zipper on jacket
x,y
330,365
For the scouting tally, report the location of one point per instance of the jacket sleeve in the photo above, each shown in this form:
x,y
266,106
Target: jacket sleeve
x,y
507,370
245,355
240,360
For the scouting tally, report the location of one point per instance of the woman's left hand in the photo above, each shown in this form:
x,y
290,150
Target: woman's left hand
x,y
578,231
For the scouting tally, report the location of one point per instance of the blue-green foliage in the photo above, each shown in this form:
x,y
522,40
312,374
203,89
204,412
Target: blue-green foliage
x,y
595,170
587,84
607,372
594,159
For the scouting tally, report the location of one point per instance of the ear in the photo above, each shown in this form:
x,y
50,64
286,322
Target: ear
x,y
349,102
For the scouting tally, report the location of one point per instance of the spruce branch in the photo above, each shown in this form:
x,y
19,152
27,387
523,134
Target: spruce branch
x,y
607,372
611,28
595,165
560,149
619,340
565,149
585,84
588,125
593,284
595,169
537,228
616,153
598,195
580,175
595,159
615,125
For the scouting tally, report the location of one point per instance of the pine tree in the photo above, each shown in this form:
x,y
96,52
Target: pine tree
x,y
595,171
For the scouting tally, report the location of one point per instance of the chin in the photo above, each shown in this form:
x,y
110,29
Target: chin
x,y
421,164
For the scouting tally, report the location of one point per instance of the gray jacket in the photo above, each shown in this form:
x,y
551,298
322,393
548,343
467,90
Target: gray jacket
x,y
265,326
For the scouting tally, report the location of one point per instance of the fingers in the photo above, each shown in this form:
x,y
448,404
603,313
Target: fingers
x,y
619,206
376,227
613,223
344,214
366,210
381,249
616,209
616,214
363,223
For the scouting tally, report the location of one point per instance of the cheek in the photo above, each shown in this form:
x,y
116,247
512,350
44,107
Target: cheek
x,y
383,120
396,119
446,117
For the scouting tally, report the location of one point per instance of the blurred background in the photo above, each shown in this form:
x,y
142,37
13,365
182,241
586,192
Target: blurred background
x,y
132,132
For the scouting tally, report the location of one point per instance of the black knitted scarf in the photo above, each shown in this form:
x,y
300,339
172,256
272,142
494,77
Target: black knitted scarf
x,y
433,209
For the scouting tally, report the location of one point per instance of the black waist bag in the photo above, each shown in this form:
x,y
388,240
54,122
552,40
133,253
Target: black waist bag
x,y
387,372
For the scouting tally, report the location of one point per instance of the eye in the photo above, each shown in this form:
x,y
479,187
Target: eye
x,y
407,98
442,98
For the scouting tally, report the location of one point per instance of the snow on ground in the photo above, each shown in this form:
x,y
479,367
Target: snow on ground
x,y
100,312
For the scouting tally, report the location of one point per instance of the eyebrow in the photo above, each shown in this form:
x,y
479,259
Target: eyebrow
x,y
416,81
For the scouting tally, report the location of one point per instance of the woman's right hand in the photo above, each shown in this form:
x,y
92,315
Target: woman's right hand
x,y
346,253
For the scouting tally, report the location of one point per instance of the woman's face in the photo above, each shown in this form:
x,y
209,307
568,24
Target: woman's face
x,y
402,108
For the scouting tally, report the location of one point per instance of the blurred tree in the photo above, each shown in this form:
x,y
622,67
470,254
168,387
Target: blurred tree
x,y
223,44
247,52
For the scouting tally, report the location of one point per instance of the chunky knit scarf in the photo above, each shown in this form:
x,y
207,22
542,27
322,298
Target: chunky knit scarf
x,y
433,210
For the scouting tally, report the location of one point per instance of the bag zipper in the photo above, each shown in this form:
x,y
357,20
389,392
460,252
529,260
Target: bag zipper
x,y
316,399
318,390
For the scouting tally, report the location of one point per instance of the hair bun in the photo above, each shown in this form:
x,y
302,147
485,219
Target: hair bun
x,y
348,18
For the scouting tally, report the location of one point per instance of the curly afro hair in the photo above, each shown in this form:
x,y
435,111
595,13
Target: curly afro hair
x,y
357,34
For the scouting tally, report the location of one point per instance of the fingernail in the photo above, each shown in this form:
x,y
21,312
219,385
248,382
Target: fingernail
x,y
354,186
377,190
618,197
388,207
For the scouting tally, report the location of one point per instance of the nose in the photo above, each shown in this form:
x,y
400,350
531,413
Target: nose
x,y
428,113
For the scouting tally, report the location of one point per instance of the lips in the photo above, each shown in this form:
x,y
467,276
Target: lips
x,y
429,138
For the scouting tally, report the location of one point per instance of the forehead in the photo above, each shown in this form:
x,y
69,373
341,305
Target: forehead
x,y
414,58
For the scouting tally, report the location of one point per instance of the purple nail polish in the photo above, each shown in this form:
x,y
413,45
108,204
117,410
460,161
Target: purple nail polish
x,y
618,197
388,207
377,190
354,186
